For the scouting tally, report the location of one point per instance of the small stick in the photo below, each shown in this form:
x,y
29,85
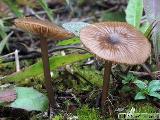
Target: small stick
x,y
4,56
139,73
36,54
17,60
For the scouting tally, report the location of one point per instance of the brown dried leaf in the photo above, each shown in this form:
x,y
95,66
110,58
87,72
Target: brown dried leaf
x,y
7,95
4,10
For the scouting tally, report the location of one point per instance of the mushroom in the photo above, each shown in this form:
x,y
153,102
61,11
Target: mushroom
x,y
44,29
115,42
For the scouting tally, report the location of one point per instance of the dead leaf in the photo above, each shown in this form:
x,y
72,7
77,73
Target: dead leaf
x,y
7,95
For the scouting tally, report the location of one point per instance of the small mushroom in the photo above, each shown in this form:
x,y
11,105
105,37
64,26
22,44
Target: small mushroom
x,y
44,29
115,42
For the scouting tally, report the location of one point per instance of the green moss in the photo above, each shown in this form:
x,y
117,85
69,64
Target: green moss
x,y
58,117
86,113
142,107
91,75
83,113
7,68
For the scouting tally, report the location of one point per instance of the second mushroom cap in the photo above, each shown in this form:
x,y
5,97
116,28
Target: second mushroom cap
x,y
42,28
116,41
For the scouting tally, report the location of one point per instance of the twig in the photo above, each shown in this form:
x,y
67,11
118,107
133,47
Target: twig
x,y
17,61
66,47
139,73
4,56
36,54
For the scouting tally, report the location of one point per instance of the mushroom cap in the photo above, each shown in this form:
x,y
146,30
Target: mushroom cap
x,y
116,41
42,28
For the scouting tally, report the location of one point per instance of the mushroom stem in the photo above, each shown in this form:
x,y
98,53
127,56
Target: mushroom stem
x,y
106,81
47,76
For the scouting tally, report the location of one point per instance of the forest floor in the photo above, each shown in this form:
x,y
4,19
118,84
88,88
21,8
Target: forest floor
x,y
77,75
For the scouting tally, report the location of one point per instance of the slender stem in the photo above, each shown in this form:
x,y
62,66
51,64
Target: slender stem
x,y
106,81
47,76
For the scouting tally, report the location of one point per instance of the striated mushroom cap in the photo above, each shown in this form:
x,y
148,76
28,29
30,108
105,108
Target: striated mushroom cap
x,y
42,28
116,41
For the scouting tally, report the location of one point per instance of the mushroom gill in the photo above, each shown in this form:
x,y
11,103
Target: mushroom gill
x,y
42,28
116,41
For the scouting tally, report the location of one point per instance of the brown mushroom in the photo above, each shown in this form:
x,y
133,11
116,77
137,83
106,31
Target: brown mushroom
x,y
116,42
44,29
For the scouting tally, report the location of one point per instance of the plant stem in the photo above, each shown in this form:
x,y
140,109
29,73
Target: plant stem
x,y
47,76
106,81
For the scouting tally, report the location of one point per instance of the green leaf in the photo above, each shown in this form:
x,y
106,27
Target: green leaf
x,y
154,85
30,99
146,28
140,84
13,7
4,41
3,35
134,12
75,27
155,94
113,16
47,9
71,41
125,82
129,78
139,96
36,70
2,103
154,89
126,89
2,29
